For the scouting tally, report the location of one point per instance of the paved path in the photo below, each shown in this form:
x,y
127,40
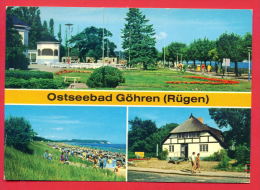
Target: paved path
x,y
134,176
78,86
240,175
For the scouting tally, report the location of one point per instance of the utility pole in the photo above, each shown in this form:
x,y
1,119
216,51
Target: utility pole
x,y
107,46
249,62
103,42
164,56
157,150
69,27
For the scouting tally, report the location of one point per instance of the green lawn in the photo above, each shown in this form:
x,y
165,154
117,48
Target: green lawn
x,y
155,80
23,166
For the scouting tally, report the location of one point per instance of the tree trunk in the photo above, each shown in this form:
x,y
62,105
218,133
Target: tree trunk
x,y
216,67
236,68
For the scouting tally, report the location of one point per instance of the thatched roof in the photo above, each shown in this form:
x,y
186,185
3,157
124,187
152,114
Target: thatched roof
x,y
195,125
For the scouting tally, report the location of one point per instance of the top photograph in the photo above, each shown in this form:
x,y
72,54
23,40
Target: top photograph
x,y
139,49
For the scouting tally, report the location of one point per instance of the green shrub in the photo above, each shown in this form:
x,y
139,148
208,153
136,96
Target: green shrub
x,y
12,82
131,155
33,83
216,156
24,74
224,160
18,133
242,154
109,77
163,155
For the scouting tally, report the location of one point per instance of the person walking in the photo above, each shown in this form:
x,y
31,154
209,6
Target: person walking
x,y
62,159
198,162
193,163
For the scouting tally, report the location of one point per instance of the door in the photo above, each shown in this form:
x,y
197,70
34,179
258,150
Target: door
x,y
184,150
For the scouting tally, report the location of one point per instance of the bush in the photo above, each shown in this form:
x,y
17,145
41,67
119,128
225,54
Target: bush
x,y
18,133
105,77
23,74
33,83
224,160
216,156
242,154
131,155
163,155
15,58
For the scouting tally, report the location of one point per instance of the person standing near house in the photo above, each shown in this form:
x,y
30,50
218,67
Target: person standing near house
x,y
198,162
193,162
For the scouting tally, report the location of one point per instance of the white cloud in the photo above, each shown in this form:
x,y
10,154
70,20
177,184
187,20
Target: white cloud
x,y
58,129
161,36
55,120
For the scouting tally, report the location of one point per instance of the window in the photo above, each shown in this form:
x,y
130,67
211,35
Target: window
x,y
47,52
171,148
203,147
39,52
55,52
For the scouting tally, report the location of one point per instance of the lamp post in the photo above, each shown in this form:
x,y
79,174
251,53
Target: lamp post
x,y
69,27
249,62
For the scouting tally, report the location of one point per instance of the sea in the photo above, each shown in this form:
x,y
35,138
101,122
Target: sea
x,y
120,148
241,65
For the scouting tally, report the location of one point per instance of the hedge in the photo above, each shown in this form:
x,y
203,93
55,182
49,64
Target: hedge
x,y
34,83
24,74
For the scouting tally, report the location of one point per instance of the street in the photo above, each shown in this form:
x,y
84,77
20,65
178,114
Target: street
x,y
134,176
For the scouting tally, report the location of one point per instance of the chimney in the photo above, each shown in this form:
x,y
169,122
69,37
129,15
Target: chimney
x,y
200,119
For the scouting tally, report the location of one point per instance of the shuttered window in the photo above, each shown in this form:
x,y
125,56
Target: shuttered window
x,y
204,148
171,148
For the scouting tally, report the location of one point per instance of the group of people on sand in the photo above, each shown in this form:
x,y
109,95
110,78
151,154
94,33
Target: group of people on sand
x,y
195,163
100,158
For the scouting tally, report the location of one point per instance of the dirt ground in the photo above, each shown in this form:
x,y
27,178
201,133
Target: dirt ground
x,y
163,164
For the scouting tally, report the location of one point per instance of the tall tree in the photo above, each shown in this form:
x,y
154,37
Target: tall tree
x,y
139,130
59,34
230,46
31,16
246,45
191,53
15,57
38,32
18,133
138,39
237,123
203,46
89,42
51,27
175,51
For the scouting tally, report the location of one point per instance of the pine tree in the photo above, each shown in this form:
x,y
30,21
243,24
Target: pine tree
x,y
51,27
59,34
138,39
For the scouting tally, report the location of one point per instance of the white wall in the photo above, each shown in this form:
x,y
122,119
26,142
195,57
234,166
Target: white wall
x,y
177,150
48,59
213,145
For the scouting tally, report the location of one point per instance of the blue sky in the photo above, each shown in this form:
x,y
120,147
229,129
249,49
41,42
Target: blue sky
x,y
164,115
183,25
74,122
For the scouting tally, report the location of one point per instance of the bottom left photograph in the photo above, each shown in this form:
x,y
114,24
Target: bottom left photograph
x,y
65,143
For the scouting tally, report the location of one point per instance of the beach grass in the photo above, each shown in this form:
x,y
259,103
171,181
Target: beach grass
x,y
155,80
23,166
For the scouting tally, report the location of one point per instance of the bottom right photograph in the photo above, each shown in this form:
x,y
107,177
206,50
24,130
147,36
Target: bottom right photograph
x,y
198,145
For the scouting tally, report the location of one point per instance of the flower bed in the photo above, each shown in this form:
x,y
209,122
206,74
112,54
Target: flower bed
x,y
71,71
208,81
